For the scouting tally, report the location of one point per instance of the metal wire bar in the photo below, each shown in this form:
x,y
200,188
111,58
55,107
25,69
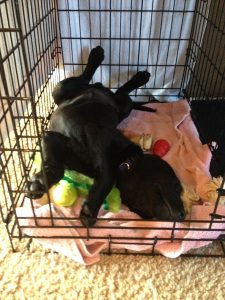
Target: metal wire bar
x,y
30,59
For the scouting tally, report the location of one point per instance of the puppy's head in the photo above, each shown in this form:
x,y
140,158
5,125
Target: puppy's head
x,y
165,195
152,190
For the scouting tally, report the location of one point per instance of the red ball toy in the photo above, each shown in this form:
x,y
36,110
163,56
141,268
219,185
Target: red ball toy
x,y
161,147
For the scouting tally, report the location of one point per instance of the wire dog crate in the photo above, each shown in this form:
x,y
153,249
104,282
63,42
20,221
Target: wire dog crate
x,y
181,43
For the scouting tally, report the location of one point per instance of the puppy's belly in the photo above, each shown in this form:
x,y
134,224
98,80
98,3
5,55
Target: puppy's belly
x,y
70,120
88,124
74,162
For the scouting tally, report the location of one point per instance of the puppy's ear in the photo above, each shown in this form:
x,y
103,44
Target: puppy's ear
x,y
159,189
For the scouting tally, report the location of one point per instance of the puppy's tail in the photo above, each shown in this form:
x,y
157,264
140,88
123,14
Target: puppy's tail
x,y
140,107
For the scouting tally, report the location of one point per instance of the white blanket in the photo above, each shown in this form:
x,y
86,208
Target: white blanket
x,y
139,41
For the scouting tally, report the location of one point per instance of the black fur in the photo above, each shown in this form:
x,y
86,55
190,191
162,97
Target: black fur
x,y
209,118
152,190
82,135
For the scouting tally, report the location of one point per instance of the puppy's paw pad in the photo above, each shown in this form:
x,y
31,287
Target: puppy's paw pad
x,y
142,77
97,55
36,189
86,217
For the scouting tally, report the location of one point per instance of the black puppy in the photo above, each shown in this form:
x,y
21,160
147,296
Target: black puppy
x,y
82,135
151,189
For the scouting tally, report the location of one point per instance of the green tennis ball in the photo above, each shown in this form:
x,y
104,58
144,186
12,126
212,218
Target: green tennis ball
x,y
113,201
64,194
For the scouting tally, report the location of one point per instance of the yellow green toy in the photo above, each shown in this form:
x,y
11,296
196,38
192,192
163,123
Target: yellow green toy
x,y
74,185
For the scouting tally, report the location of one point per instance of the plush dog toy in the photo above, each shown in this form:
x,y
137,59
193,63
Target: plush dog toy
x,y
74,185
160,147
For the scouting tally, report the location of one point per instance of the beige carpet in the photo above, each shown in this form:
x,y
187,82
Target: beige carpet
x,y
40,274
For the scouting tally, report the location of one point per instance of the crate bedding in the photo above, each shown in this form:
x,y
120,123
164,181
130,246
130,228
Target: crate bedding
x,y
190,160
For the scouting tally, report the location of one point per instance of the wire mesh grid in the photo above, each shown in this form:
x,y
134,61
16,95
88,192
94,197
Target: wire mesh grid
x,y
45,41
129,31
207,79
29,64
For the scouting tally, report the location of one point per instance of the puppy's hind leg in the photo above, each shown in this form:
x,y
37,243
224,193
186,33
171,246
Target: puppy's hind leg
x,y
95,59
70,87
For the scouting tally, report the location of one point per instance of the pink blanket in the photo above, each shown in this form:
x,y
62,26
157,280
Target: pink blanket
x,y
190,160
188,157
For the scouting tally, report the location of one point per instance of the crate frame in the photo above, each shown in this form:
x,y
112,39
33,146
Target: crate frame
x,y
24,107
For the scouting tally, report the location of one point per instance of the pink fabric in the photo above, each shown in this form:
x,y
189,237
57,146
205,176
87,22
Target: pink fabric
x,y
187,156
190,161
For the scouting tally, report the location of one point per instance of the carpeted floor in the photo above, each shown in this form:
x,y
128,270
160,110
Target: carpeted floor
x,y
39,274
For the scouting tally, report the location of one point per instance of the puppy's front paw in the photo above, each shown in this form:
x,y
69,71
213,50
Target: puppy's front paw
x,y
86,216
36,186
